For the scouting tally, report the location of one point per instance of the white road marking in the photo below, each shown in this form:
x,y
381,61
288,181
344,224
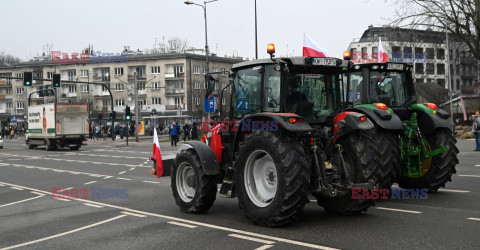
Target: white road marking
x,y
131,169
92,205
227,229
454,191
60,199
123,172
133,214
471,218
181,224
90,182
466,175
399,210
264,247
65,233
155,182
16,202
37,193
108,177
17,188
120,178
65,189
477,165
251,238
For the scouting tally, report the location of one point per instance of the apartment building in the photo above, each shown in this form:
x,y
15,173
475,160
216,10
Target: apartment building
x,y
426,49
169,84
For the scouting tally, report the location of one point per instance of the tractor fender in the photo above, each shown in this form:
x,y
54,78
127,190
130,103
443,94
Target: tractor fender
x,y
207,157
273,122
428,122
382,118
350,121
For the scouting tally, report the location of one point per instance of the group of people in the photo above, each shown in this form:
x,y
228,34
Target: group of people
x,y
190,132
121,131
10,132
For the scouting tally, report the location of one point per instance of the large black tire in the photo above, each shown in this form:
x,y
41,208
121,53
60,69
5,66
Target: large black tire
x,y
50,145
361,155
442,166
30,146
205,185
292,178
390,156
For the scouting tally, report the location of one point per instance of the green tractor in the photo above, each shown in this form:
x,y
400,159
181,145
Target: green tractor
x,y
419,152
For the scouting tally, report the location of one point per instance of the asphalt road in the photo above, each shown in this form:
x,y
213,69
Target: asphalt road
x,y
127,207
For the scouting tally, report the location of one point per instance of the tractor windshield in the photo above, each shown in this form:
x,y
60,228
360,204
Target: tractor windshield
x,y
313,96
389,87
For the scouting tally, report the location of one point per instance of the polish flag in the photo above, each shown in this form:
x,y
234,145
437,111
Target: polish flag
x,y
311,48
157,155
382,55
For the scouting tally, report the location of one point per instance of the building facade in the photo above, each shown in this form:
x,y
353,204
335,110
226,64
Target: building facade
x,y
170,85
426,50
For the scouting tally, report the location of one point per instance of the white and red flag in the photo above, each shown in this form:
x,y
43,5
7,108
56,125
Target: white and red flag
x,y
382,55
157,155
311,48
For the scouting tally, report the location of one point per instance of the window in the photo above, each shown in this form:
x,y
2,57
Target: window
x,y
156,70
118,71
49,75
391,89
20,105
104,88
247,86
118,86
440,69
196,101
71,75
106,103
155,85
19,91
419,68
196,85
20,75
156,101
364,53
407,54
141,86
271,89
374,52
204,70
353,52
196,70
72,89
441,54
430,53
204,85
119,102
397,54
9,105
419,53
84,73
38,74
84,88
179,102
9,91
178,71
214,70
430,68
224,72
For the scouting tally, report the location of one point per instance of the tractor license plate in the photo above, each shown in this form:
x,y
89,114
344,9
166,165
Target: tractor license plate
x,y
325,61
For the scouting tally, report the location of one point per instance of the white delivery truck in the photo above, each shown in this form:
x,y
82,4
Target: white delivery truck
x,y
57,125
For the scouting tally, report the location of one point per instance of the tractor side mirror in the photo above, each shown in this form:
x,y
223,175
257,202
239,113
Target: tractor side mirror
x,y
210,82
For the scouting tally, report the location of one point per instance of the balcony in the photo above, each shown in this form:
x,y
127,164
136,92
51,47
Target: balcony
x,y
174,91
171,107
139,76
174,76
101,78
6,96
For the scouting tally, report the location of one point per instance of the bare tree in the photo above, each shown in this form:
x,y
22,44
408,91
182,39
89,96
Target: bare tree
x,y
459,17
6,59
176,44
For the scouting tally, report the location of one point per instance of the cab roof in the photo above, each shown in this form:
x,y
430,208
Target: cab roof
x,y
295,61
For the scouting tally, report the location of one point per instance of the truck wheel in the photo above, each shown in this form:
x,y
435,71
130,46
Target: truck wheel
x,y
193,191
271,178
30,146
362,158
390,156
438,170
50,145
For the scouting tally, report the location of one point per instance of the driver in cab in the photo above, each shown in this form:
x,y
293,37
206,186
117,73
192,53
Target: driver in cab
x,y
294,95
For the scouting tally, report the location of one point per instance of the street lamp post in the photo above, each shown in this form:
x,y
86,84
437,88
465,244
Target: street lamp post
x,y
204,6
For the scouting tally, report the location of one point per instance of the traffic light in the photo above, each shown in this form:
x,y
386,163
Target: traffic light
x,y
113,115
27,78
56,80
128,114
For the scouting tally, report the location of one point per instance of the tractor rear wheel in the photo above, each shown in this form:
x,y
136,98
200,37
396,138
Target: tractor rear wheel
x,y
361,155
390,156
438,170
271,178
193,191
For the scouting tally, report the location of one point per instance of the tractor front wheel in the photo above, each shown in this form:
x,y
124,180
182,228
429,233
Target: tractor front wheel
x,y
193,191
436,171
271,178
390,156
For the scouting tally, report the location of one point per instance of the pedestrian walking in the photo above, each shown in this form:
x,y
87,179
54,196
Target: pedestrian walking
x,y
15,132
12,132
194,131
174,128
476,129
105,131
186,132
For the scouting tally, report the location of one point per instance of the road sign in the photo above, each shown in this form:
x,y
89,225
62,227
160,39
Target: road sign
x,y
209,105
242,104
14,118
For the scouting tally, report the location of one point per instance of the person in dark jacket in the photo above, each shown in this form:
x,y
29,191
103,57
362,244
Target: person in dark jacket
x,y
194,131
476,129
186,132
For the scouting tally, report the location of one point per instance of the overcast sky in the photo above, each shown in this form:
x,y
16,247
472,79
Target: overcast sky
x,y
110,24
